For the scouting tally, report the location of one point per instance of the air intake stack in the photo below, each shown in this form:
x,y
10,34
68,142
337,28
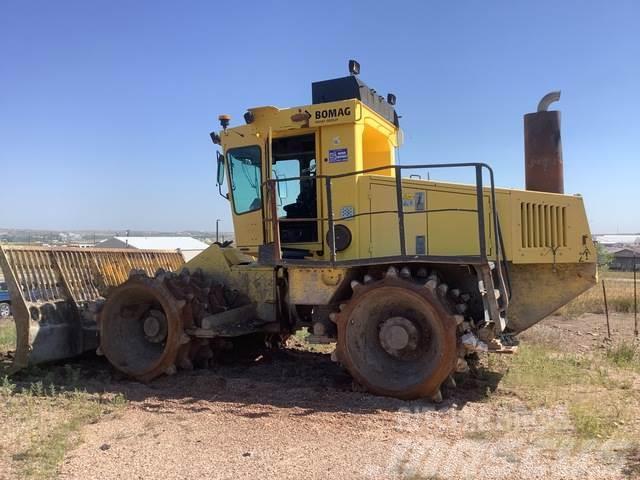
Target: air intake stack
x,y
543,164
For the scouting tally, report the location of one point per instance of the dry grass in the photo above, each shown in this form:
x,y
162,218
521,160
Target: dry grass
x,y
611,274
40,420
7,336
625,355
619,288
595,391
595,420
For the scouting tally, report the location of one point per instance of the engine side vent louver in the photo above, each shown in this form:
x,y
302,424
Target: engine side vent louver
x,y
543,226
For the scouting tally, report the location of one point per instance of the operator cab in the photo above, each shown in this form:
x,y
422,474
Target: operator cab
x,y
347,128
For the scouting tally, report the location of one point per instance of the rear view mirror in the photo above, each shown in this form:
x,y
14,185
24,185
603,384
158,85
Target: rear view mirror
x,y
220,176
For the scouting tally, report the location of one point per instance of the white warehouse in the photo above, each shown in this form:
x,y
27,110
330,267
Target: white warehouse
x,y
188,246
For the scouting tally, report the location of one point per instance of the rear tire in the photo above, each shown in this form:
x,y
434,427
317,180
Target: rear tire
x,y
5,310
397,339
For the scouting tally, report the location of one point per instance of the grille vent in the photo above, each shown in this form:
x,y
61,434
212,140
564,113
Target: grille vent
x,y
543,225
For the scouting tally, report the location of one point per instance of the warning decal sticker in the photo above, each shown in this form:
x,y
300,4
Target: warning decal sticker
x,y
338,155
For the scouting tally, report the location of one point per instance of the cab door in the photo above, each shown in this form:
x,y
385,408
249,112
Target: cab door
x,y
293,156
245,169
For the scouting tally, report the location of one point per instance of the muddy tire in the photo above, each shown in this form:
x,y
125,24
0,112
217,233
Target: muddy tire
x,y
141,328
144,323
397,338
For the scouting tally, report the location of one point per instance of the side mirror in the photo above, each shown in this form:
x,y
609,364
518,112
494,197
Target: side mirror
x,y
220,174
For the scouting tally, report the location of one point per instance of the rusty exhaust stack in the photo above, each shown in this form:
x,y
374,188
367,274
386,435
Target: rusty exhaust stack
x,y
543,148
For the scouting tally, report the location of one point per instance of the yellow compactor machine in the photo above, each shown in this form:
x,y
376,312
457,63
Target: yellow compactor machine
x,y
411,277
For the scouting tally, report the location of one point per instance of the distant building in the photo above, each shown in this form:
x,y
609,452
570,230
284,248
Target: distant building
x,y
625,258
77,245
621,239
188,246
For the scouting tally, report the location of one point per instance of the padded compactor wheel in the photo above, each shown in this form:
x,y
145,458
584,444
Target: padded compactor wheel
x,y
142,328
144,321
397,338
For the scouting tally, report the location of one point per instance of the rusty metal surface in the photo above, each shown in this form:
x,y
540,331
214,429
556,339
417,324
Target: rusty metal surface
x,y
315,286
200,314
544,171
418,372
125,343
83,274
56,291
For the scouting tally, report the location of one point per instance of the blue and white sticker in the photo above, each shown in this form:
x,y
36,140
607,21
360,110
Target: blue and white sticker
x,y
347,212
338,155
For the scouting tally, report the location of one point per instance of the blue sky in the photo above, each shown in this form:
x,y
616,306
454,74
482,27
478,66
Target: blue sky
x,y
106,106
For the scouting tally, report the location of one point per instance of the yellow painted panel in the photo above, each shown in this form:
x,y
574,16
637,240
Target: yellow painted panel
x,y
456,232
548,228
248,231
314,286
340,138
385,236
426,231
384,226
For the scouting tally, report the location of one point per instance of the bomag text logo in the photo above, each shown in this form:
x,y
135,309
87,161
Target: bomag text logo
x,y
330,114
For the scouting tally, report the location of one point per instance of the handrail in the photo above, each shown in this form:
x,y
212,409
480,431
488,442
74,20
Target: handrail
x,y
271,186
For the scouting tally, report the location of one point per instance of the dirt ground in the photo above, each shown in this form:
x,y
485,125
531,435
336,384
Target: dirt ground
x,y
295,414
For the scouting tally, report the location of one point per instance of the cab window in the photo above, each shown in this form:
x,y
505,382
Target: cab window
x,y
245,177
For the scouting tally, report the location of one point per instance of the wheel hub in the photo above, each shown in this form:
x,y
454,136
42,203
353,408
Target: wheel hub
x,y
398,336
155,326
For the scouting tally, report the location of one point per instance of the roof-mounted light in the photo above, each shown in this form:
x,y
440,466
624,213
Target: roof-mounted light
x,y
249,117
224,121
354,67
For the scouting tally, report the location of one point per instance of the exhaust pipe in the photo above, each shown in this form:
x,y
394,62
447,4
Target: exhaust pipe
x,y
543,164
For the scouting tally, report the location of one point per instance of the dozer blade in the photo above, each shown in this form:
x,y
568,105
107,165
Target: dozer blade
x,y
56,293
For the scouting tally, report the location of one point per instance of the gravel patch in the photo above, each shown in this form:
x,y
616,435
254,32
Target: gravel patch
x,y
295,415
